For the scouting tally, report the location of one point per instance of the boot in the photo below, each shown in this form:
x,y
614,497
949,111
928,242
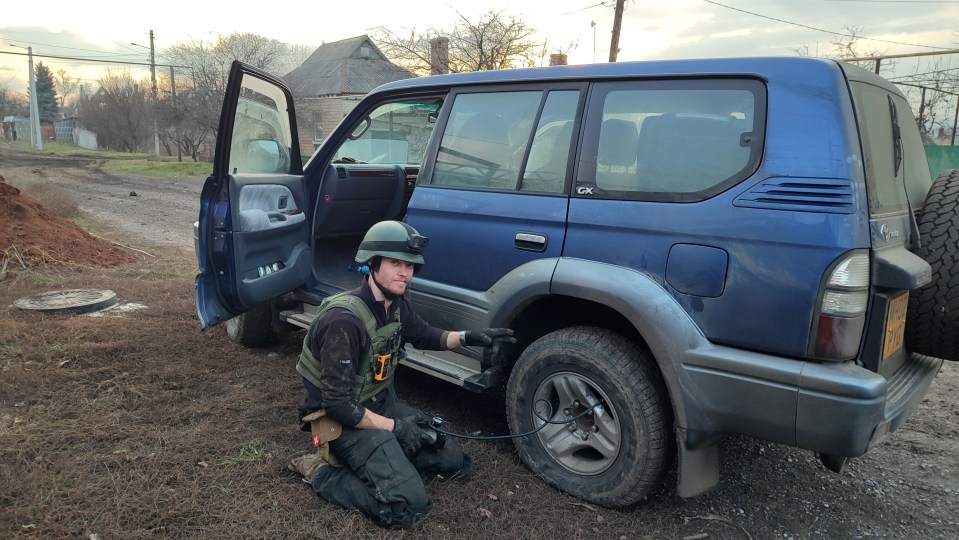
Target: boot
x,y
307,465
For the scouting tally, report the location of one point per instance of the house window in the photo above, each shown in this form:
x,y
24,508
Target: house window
x,y
317,126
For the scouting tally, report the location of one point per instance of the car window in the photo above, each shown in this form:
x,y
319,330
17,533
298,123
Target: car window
x,y
885,179
262,137
671,140
485,140
545,169
394,133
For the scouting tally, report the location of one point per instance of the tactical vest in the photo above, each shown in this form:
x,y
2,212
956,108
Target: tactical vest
x,y
378,362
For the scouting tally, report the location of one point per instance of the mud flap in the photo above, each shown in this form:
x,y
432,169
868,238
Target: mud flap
x,y
698,469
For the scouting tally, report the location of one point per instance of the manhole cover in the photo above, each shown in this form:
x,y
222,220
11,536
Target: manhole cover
x,y
71,300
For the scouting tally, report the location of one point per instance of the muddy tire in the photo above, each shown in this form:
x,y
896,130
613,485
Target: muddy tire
x,y
932,326
255,328
620,451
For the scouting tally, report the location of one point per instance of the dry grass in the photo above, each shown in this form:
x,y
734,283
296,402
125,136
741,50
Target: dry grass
x,y
144,427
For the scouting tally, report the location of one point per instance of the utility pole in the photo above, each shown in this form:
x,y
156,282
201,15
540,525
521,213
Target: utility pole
x,y
176,120
153,82
617,23
593,24
36,137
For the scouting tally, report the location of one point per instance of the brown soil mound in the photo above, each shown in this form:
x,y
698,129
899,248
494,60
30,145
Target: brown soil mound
x,y
30,232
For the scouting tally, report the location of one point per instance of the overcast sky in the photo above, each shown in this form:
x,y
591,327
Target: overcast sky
x,y
652,29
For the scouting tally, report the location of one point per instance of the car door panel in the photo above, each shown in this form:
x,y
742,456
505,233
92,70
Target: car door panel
x,y
254,240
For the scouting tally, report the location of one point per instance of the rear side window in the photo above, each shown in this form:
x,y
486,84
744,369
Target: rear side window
x,y
508,141
671,140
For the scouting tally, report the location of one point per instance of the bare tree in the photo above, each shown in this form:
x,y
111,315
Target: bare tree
x,y
292,58
176,115
120,112
209,66
66,87
13,103
933,88
495,41
845,46
850,46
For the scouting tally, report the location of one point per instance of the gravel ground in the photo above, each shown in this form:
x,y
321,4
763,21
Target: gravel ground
x,y
908,487
154,210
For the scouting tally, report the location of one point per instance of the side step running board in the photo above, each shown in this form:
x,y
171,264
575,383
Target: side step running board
x,y
297,318
446,365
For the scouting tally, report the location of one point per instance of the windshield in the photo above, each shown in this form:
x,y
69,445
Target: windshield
x,y
394,133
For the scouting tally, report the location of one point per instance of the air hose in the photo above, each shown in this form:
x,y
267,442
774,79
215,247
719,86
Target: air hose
x,y
437,423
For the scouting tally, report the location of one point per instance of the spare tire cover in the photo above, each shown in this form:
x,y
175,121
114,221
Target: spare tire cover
x,y
932,324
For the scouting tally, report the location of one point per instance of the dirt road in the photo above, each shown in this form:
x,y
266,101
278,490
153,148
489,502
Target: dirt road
x,y
156,210
143,427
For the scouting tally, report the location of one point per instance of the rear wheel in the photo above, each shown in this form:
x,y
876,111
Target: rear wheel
x,y
932,326
255,328
612,454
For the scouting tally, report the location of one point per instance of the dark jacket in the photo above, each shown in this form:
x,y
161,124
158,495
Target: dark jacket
x,y
338,344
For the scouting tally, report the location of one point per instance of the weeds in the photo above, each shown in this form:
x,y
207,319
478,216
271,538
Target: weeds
x,y
251,451
58,348
43,280
151,167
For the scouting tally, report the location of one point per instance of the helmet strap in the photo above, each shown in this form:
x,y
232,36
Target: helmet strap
x,y
386,294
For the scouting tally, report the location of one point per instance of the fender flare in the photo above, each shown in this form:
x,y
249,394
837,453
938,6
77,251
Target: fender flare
x,y
661,321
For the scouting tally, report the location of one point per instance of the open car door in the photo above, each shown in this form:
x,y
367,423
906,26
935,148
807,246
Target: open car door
x,y
254,238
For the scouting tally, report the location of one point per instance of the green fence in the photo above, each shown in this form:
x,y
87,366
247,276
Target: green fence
x,y
941,158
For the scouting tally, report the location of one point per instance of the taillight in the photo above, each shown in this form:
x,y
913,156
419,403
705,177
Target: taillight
x,y
842,311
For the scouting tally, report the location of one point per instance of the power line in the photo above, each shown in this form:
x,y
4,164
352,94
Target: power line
x,y
922,74
104,61
588,7
820,29
64,47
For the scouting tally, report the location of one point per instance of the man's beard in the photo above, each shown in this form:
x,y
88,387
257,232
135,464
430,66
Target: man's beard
x,y
386,292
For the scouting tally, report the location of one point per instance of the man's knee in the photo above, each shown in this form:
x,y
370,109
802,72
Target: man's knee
x,y
397,486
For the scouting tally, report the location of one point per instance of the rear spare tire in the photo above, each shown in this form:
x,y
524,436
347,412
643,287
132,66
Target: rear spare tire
x,y
932,324
619,451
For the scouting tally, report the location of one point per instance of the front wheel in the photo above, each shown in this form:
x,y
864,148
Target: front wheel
x,y
615,453
255,328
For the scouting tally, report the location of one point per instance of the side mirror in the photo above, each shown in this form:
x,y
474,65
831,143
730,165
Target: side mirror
x,y
265,155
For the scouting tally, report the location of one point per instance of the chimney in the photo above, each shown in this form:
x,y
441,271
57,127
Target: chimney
x,y
439,56
558,59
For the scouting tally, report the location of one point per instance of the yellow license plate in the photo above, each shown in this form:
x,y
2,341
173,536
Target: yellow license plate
x,y
895,325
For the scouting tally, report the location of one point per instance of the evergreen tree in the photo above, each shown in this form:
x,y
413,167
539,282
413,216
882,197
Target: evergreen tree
x,y
46,95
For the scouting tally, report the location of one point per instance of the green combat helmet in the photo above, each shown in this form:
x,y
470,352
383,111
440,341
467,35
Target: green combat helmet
x,y
393,239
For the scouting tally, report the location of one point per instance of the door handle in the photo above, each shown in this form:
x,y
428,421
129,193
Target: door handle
x,y
530,241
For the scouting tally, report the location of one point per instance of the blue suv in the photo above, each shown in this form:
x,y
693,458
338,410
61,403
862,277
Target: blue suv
x,y
686,249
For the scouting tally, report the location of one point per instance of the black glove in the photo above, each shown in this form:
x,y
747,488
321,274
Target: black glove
x,y
431,437
408,435
487,336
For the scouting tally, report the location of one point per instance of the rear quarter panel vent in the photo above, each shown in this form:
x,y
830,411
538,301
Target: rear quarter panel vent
x,y
823,195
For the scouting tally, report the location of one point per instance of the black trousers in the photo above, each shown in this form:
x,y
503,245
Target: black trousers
x,y
379,479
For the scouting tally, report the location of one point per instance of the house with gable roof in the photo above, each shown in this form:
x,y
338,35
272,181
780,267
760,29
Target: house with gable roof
x,y
332,80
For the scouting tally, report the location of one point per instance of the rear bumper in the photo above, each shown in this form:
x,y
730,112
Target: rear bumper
x,y
839,409
844,422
